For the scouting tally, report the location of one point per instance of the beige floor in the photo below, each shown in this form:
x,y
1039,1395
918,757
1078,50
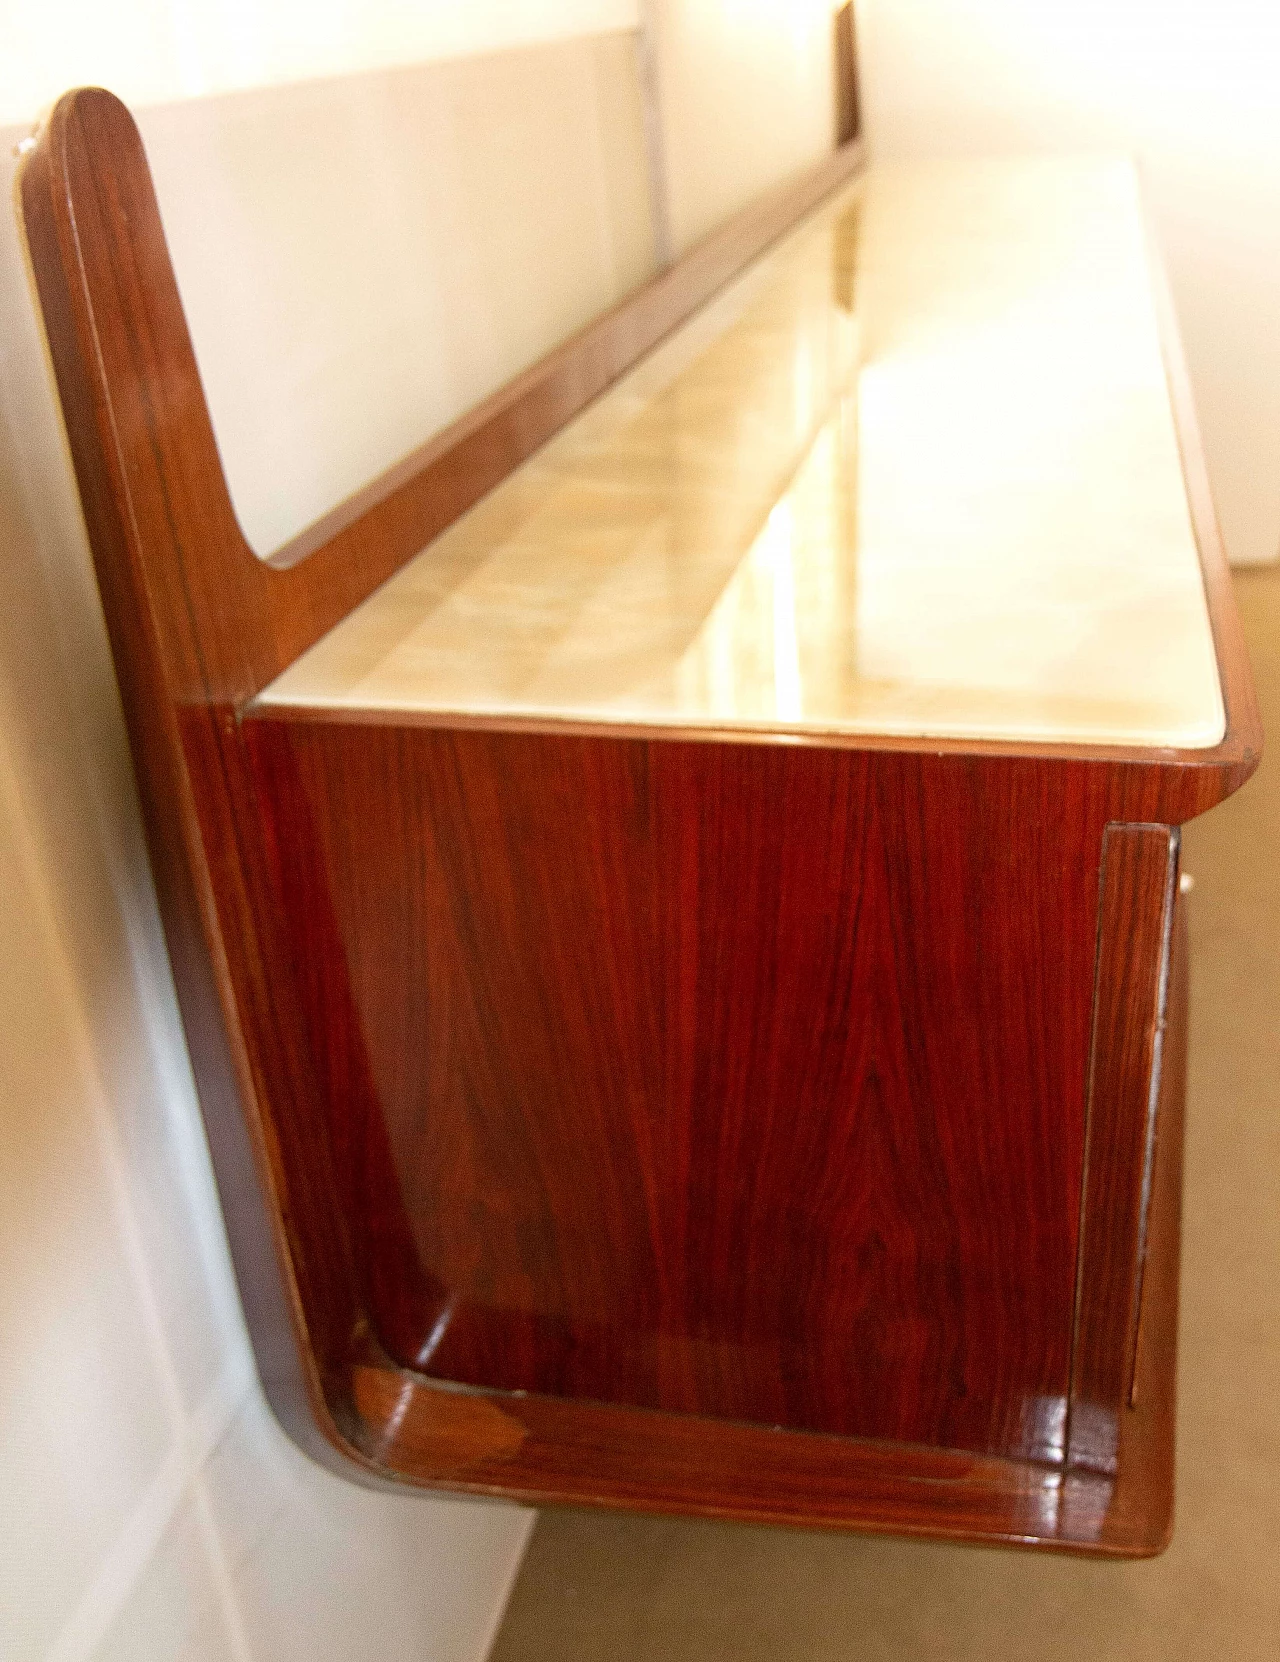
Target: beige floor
x,y
658,1590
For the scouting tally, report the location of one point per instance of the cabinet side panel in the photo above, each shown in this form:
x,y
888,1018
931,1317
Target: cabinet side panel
x,y
744,1081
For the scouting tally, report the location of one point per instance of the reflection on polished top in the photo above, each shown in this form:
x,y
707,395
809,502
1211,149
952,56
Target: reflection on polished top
x,y
914,473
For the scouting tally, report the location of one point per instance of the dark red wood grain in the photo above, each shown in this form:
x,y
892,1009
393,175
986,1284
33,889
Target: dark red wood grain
x,y
746,1081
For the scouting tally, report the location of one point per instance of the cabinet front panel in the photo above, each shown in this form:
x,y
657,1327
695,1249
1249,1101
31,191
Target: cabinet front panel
x,y
735,1080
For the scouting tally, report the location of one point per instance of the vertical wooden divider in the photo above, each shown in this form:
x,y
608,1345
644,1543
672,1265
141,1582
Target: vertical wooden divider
x,y
1135,915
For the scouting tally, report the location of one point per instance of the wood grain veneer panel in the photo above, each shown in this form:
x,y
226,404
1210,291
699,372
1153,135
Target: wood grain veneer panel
x,y
740,1081
1142,1503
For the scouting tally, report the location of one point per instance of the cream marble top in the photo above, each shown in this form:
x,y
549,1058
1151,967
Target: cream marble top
x,y
914,473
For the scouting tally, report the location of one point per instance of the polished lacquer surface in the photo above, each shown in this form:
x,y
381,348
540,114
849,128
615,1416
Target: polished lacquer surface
x,y
915,473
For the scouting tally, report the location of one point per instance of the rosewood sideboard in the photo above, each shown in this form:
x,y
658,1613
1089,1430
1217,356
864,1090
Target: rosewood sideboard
x,y
674,890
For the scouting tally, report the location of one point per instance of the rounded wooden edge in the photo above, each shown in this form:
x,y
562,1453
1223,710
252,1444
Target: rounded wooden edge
x,y
407,1432
1226,756
1244,736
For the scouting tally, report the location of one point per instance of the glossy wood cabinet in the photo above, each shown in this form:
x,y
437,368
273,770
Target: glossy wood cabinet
x,y
686,981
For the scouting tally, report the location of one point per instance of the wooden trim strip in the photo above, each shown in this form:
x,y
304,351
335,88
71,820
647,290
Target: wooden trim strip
x,y
1143,1503
1154,1090
848,101
1156,782
1135,911
655,145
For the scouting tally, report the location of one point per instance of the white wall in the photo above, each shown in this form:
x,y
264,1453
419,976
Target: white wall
x,y
747,98
147,51
149,1507
1191,89
362,258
